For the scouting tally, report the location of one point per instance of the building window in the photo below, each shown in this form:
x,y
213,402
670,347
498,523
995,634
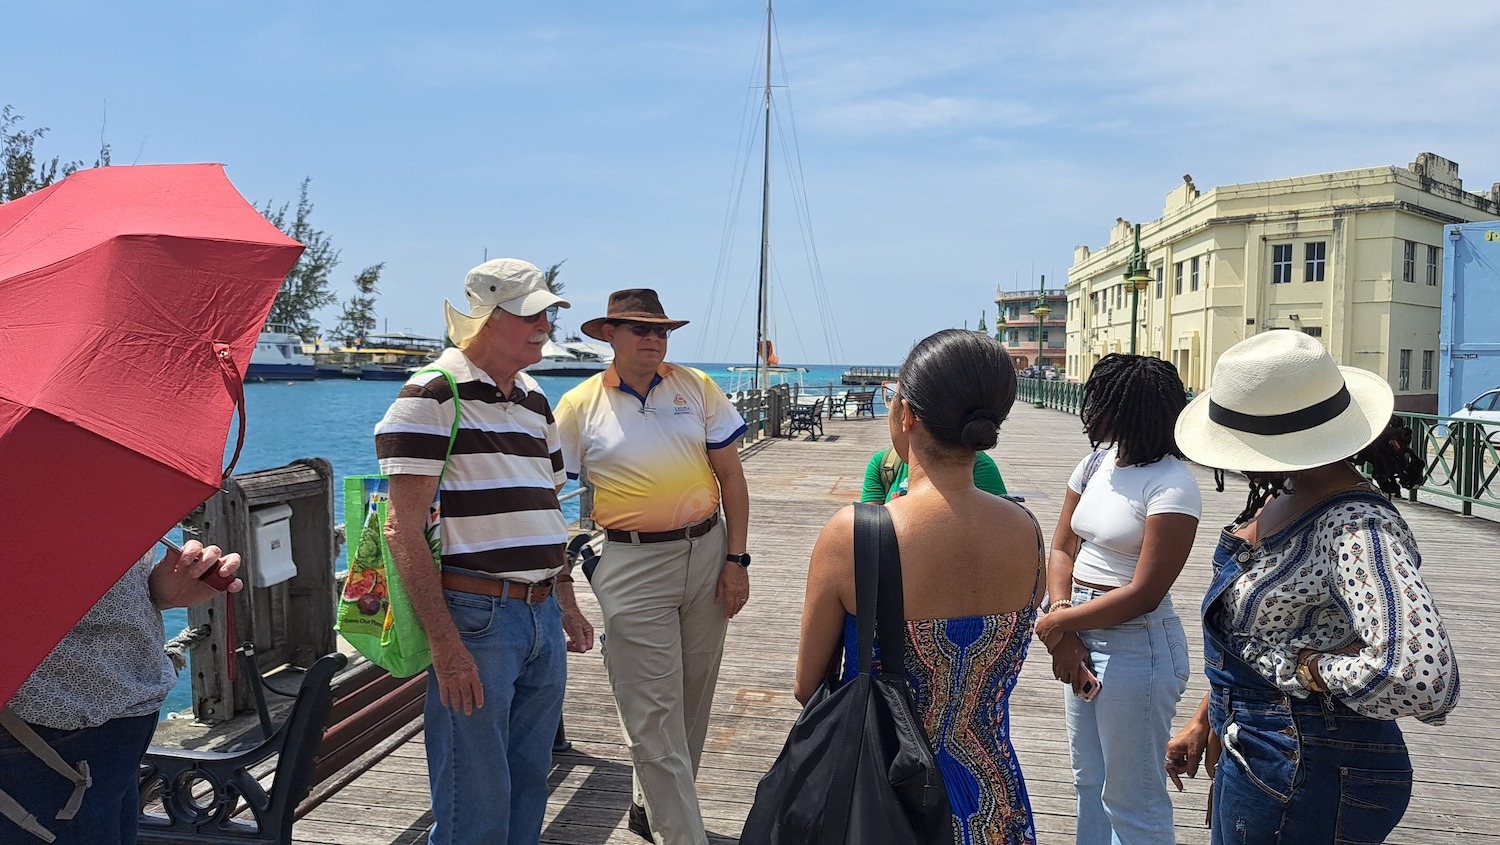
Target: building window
x,y
1313,331
1195,273
1427,356
1161,273
1281,264
1177,280
1403,374
1432,266
1031,335
1316,253
1408,263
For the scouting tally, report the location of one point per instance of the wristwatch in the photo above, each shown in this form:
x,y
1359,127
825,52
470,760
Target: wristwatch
x,y
1305,675
743,560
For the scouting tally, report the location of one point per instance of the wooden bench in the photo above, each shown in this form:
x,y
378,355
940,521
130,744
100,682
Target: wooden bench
x,y
808,418
220,797
859,401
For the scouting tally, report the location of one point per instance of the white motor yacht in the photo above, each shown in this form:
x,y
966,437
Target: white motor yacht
x,y
573,357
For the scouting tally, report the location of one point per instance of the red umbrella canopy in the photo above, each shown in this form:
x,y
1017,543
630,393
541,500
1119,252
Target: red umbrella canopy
x,y
130,302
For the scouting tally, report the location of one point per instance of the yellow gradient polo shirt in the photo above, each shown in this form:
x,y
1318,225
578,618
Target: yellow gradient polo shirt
x,y
647,456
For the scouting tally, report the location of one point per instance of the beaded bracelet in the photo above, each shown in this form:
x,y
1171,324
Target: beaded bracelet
x,y
1057,604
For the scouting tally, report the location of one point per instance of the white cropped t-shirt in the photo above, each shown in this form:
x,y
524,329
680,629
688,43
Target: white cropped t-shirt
x,y
1112,510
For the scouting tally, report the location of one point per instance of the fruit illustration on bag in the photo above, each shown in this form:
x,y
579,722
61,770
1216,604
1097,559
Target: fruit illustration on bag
x,y
365,585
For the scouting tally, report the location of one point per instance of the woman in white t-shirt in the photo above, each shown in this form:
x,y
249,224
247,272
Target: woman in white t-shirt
x,y
1126,528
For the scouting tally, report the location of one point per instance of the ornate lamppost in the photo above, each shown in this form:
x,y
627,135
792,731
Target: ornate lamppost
x,y
1041,310
1138,276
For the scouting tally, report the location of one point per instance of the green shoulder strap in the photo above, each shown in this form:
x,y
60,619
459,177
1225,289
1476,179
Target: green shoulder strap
x,y
453,435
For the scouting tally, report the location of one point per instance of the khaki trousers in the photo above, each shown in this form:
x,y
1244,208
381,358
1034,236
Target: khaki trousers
x,y
663,639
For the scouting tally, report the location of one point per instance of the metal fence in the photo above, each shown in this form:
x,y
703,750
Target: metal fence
x,y
1051,393
1460,458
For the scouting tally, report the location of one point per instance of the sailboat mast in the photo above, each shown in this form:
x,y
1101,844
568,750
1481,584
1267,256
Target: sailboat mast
x,y
763,300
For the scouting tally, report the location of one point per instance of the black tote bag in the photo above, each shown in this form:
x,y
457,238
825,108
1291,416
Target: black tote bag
x,y
857,769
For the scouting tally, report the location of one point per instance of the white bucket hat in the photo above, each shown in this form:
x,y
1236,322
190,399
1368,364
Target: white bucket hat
x,y
1279,403
507,283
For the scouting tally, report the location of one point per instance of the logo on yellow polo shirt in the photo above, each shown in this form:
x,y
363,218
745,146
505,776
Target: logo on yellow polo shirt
x,y
680,405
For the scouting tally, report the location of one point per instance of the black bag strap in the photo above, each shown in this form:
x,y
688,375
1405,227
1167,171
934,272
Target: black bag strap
x,y
867,576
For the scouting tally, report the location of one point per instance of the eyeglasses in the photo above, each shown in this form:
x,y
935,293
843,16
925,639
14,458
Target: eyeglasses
x,y
888,393
550,313
646,329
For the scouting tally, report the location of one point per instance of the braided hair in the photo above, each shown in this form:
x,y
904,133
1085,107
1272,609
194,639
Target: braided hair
x,y
1390,460
1133,401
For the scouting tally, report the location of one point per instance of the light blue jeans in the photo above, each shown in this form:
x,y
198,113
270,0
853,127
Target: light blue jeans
x,y
1119,739
488,771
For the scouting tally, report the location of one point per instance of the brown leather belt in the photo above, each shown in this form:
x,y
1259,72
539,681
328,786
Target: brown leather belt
x,y
697,529
1100,587
531,593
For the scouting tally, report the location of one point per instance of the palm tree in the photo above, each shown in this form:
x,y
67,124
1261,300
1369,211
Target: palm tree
x,y
550,277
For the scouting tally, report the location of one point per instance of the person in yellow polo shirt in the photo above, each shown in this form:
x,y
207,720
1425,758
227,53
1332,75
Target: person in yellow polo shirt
x,y
658,443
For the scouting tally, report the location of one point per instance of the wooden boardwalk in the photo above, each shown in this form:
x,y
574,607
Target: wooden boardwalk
x,y
795,486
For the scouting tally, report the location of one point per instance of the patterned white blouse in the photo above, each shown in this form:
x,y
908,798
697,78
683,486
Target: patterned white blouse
x,y
1347,576
110,666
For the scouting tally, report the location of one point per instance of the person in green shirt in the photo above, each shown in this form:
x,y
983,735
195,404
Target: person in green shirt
x,y
885,477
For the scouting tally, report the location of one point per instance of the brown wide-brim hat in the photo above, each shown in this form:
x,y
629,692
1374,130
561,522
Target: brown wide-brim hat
x,y
636,305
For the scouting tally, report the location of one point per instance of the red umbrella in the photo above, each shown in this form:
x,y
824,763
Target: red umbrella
x,y
130,302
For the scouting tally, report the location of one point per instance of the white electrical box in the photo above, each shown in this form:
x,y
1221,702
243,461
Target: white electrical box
x,y
271,537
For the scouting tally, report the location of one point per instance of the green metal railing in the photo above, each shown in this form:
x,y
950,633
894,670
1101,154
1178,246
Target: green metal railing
x,y
1460,458
1045,393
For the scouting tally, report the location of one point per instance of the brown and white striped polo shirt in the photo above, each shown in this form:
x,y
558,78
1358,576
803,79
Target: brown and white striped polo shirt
x,y
499,497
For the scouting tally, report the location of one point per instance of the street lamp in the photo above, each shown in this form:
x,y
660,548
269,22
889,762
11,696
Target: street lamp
x,y
1138,275
1041,310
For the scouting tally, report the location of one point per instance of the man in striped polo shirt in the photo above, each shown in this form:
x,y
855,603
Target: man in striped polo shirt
x,y
499,612
658,441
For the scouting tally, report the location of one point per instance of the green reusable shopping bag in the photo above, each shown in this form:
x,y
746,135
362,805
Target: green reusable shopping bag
x,y
375,614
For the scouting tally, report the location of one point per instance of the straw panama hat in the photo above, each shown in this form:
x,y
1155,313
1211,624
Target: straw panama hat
x,y
1279,403
506,283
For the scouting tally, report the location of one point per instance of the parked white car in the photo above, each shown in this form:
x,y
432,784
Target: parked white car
x,y
1485,409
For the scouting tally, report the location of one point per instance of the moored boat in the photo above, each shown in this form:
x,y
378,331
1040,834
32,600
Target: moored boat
x,y
278,356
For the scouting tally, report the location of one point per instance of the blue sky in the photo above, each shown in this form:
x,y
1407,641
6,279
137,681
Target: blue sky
x,y
946,147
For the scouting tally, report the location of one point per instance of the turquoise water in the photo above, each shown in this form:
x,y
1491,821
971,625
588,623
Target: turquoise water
x,y
336,420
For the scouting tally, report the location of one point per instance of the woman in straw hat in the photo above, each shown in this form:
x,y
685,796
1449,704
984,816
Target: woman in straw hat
x,y
1318,632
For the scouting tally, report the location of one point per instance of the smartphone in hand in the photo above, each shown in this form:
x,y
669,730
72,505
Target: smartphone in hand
x,y
1091,684
211,576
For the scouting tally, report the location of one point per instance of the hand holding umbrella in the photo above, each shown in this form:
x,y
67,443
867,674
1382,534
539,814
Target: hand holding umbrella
x,y
193,574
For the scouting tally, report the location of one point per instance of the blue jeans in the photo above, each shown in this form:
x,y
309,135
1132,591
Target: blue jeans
x,y
111,806
1305,771
488,771
1119,739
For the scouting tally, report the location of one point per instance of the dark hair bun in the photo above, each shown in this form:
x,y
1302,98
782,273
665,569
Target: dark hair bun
x,y
979,434
961,385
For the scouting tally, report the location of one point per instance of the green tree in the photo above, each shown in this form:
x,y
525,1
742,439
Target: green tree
x,y
305,289
358,319
21,172
549,276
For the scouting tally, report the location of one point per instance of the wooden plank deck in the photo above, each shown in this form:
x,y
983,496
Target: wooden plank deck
x,y
795,486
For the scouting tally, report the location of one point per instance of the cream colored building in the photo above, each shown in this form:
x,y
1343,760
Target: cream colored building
x,y
1353,258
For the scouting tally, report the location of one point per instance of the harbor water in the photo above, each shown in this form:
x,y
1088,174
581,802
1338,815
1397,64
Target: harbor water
x,y
336,419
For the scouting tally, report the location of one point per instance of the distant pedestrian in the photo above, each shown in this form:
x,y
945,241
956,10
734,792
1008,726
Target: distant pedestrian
x,y
498,613
658,443
964,645
1318,631
1128,522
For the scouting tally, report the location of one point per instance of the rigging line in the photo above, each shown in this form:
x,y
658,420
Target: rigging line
x,y
728,336
823,305
820,288
791,312
726,233
719,293
799,181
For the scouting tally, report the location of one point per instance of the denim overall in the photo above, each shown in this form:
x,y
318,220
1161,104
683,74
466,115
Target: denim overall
x,y
1293,770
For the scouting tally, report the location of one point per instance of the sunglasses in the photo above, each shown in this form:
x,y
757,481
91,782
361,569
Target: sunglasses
x,y
550,313
646,329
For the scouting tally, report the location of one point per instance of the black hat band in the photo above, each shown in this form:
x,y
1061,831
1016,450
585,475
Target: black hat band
x,y
1301,420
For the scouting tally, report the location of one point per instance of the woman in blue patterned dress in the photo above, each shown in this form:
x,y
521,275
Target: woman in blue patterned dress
x,y
971,566
1318,631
